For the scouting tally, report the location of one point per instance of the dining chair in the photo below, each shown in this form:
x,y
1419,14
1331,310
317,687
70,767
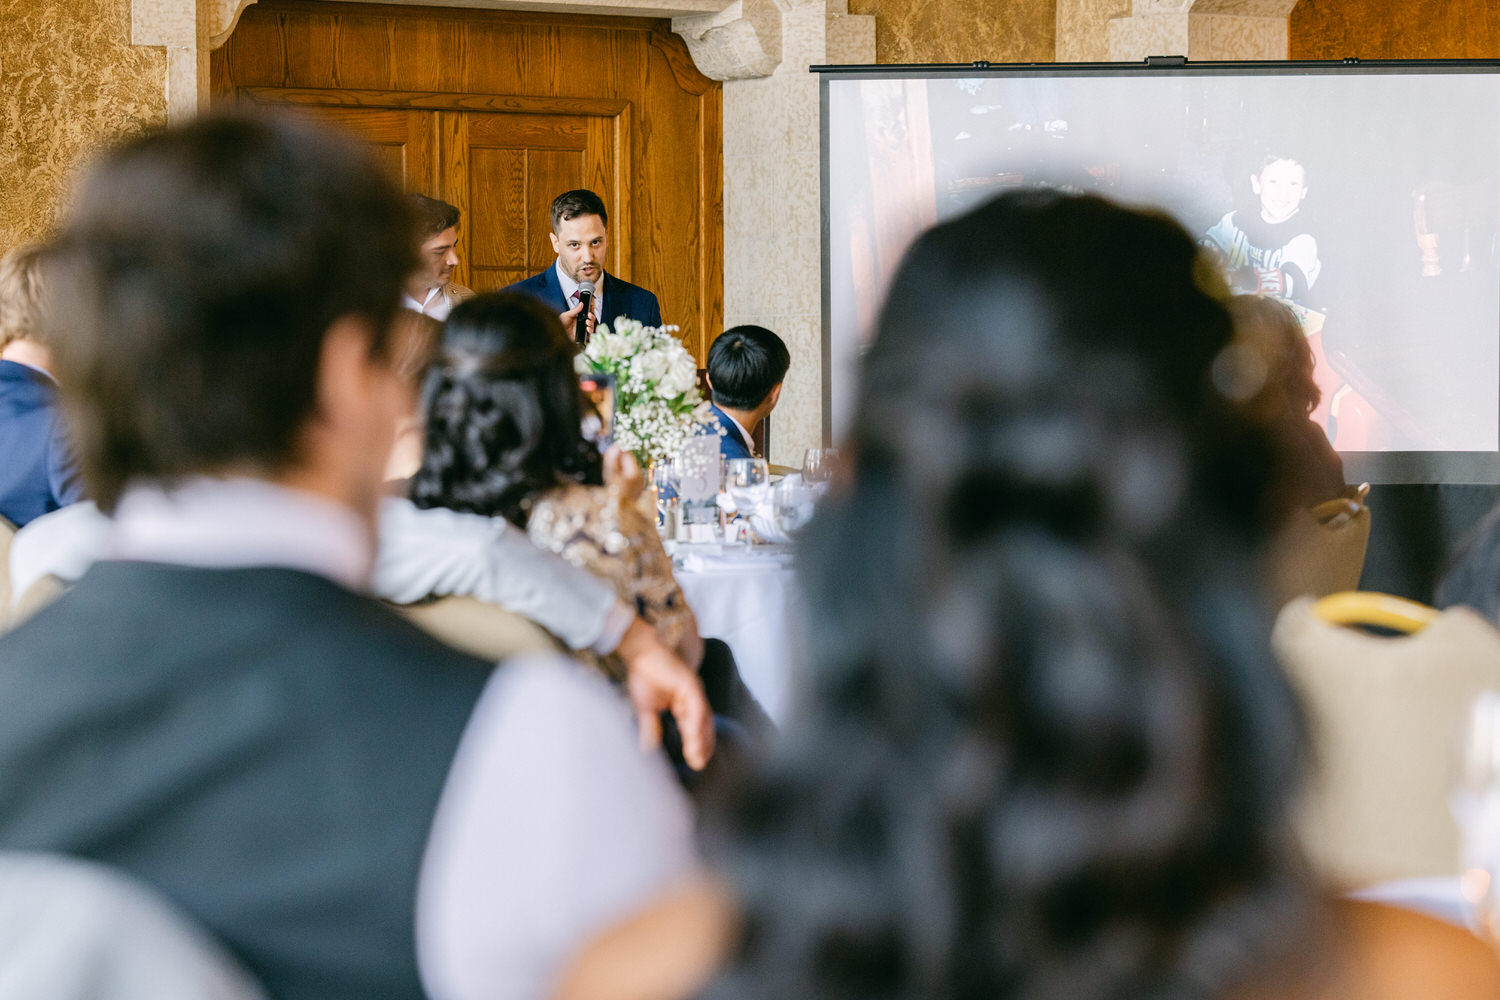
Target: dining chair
x,y
1321,550
484,630
1386,712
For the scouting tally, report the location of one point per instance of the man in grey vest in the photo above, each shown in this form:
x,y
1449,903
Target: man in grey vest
x,y
218,710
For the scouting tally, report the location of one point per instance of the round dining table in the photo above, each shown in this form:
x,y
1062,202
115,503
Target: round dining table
x,y
746,597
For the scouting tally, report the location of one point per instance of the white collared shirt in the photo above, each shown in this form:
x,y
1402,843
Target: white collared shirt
x,y
435,305
246,522
238,522
744,434
570,291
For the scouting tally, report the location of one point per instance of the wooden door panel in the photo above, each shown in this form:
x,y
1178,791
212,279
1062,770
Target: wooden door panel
x,y
514,164
403,140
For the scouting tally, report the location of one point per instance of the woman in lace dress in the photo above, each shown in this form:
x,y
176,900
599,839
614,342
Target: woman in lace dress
x,y
504,438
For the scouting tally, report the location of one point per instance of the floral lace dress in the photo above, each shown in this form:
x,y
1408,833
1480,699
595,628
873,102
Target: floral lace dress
x,y
593,529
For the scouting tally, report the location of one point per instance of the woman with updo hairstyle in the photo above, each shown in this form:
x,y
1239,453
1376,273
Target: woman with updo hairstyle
x,y
1040,749
1274,374
503,418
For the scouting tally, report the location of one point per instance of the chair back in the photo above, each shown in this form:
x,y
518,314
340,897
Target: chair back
x,y
7,535
1321,550
37,596
75,930
484,630
1385,715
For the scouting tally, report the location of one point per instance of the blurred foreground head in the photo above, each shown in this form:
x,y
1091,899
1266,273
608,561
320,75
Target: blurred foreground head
x,y
1043,750
199,275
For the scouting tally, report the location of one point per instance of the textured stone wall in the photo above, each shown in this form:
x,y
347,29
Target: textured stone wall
x,y
1395,29
69,81
947,31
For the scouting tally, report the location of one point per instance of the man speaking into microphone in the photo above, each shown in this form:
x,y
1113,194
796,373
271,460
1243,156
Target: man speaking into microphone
x,y
580,237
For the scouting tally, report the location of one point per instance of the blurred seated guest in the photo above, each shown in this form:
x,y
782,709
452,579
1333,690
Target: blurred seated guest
x,y
217,710
429,289
1043,749
38,473
1472,577
1270,366
418,338
504,438
746,368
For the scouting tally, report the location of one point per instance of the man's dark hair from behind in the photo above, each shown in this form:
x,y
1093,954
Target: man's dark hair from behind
x,y
433,215
744,364
572,204
197,278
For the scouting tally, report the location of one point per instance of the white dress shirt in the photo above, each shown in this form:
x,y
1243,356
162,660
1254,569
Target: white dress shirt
x,y
552,824
570,291
422,553
744,434
436,304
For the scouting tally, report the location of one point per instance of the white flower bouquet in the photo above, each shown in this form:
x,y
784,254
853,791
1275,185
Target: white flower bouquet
x,y
657,403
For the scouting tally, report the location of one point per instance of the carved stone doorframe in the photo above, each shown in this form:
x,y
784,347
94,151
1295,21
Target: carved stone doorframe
x,y
728,39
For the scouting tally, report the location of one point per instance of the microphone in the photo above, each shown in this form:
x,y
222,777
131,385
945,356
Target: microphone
x,y
581,325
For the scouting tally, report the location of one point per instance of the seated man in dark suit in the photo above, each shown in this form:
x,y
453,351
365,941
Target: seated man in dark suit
x,y
580,237
37,473
219,710
746,368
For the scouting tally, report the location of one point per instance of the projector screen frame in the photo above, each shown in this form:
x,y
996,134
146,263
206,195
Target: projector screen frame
x,y
1379,467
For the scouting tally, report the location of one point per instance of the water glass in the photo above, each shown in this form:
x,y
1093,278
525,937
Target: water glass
x,y
818,465
748,483
792,504
665,479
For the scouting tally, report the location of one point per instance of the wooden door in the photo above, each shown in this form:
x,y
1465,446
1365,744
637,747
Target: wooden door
x,y
502,170
435,64
499,160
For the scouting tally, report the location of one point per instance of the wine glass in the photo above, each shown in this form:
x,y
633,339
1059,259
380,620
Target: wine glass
x,y
792,504
747,481
818,465
666,479
1476,806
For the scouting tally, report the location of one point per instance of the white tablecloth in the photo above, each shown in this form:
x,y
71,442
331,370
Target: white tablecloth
x,y
746,599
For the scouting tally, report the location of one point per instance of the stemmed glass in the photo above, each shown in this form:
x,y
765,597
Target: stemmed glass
x,y
818,465
747,481
666,479
792,504
1476,806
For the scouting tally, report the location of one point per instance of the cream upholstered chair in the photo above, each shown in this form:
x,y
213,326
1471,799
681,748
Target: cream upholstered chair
x,y
479,629
75,930
7,535
1321,550
37,596
1386,713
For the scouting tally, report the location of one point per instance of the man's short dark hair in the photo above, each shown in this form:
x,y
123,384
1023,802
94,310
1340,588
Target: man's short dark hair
x,y
744,364
197,276
433,215
572,204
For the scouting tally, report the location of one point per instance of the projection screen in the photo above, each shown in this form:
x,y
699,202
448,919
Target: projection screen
x,y
1366,196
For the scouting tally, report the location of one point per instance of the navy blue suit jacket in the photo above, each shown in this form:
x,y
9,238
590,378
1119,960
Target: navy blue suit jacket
x,y
37,473
731,444
621,298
